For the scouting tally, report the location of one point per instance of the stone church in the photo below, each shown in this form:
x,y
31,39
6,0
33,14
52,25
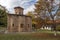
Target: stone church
x,y
18,22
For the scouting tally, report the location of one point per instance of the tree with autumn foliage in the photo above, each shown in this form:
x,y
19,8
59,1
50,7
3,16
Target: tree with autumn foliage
x,y
32,15
36,22
47,7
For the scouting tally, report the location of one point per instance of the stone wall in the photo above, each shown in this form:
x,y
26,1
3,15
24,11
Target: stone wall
x,y
19,23
18,11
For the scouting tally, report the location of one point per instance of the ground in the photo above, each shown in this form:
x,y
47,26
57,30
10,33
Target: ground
x,y
30,36
38,35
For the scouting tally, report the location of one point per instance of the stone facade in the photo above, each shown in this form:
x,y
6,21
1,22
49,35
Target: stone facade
x,y
18,22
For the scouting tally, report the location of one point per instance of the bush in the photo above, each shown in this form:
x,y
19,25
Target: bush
x,y
58,28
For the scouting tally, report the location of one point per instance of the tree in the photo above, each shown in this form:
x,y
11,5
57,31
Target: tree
x,y
58,13
41,11
36,22
47,6
3,18
32,15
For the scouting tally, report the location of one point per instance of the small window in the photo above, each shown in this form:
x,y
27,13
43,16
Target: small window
x,y
13,25
22,25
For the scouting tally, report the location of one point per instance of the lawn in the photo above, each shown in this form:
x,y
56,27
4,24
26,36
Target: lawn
x,y
30,36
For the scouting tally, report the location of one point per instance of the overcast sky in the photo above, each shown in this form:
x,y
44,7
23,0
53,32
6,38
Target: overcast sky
x,y
28,5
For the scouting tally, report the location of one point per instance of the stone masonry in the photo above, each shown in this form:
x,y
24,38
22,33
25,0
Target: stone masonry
x,y
18,22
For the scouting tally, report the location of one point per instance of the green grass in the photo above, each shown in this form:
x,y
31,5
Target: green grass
x,y
2,28
38,35
30,36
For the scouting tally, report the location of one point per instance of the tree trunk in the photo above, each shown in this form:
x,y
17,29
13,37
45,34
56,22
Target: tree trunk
x,y
54,27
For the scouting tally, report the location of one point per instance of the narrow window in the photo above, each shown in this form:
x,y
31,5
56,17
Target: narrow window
x,y
22,25
13,25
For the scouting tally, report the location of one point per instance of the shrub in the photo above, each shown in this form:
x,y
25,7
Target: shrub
x,y
58,28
